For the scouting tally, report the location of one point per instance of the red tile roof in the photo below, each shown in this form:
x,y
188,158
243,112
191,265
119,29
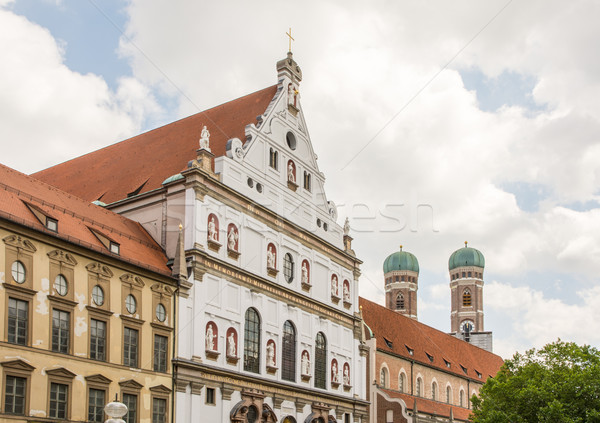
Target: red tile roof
x,y
403,331
76,220
146,160
428,406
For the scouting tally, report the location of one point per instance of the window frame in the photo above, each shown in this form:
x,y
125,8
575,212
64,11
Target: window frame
x,y
23,299
165,417
467,298
162,364
320,367
289,267
105,338
126,417
288,352
5,392
127,351
89,403
252,346
68,333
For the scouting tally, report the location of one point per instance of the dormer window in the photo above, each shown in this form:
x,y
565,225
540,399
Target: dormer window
x,y
389,343
115,248
447,363
52,224
410,350
464,369
273,158
430,357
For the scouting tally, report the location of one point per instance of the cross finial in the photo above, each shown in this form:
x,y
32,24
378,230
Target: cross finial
x,y
289,34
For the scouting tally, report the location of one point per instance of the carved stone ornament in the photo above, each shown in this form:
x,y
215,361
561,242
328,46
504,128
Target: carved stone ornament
x,y
100,270
162,289
20,243
61,256
132,280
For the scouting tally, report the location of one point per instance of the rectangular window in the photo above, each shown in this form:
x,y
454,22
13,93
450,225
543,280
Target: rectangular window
x,y
159,410
130,401
130,347
96,405
18,317
160,353
210,395
14,395
61,327
59,395
97,340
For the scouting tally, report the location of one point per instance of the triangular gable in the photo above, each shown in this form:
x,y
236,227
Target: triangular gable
x,y
61,372
18,365
98,378
160,389
130,383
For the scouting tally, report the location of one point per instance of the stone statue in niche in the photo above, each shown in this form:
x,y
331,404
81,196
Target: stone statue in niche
x,y
291,172
292,95
346,293
271,257
232,238
210,338
231,351
305,364
335,376
304,277
334,286
346,374
204,139
212,229
271,354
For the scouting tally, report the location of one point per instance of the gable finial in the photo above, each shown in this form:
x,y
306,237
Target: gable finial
x,y
400,247
465,244
205,139
289,34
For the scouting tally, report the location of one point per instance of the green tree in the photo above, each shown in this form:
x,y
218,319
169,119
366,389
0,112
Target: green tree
x,y
560,383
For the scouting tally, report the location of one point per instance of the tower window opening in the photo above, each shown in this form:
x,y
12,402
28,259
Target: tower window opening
x,y
400,302
466,299
469,274
273,158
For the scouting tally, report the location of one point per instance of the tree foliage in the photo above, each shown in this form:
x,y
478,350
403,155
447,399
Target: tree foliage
x,y
560,383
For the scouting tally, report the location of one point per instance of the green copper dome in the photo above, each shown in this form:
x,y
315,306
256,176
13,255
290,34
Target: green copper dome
x,y
466,256
401,260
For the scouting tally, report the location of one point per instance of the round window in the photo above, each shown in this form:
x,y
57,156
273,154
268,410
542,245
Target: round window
x,y
60,285
130,304
161,313
18,272
291,140
250,182
98,295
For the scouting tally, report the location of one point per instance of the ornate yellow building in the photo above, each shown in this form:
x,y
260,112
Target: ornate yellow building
x,y
87,304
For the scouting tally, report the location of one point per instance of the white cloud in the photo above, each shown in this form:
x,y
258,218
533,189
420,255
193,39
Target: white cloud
x,y
53,111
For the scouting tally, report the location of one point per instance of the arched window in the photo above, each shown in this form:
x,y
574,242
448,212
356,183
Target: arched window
x,y
273,158
434,391
288,352
400,302
448,395
252,415
383,379
466,299
419,386
461,398
402,382
252,341
320,361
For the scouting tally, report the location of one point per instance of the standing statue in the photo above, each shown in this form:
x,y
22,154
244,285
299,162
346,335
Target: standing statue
x,y
270,257
231,345
212,229
271,354
232,238
347,375
334,286
346,227
210,338
204,139
291,176
305,363
304,277
335,374
346,293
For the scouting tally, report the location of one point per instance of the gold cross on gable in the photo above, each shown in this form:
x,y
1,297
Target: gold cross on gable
x,y
289,34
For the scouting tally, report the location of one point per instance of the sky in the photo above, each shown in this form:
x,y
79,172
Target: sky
x,y
434,122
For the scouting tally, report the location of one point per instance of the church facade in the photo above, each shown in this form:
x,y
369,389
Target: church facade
x,y
267,317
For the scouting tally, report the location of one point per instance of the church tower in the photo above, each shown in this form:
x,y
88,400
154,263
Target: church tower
x,y
466,284
401,272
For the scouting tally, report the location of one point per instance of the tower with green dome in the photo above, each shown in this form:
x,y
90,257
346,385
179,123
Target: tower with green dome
x,y
401,272
466,284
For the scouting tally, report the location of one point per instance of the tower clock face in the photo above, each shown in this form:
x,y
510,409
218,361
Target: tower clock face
x,y
467,326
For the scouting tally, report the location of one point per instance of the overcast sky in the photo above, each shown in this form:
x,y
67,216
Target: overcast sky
x,y
435,123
